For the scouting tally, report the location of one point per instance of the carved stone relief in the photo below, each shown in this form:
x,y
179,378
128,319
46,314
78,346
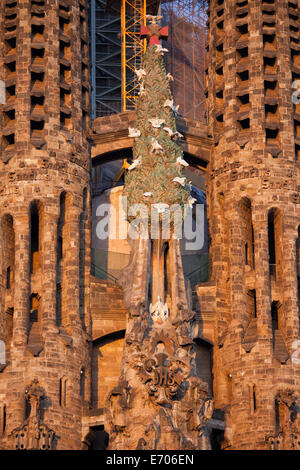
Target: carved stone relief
x,y
34,434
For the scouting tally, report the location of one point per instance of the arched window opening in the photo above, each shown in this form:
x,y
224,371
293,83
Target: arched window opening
x,y
27,408
279,347
247,231
59,256
271,237
252,300
8,277
254,397
167,287
109,258
82,383
63,392
60,226
253,247
34,238
82,256
58,304
100,438
109,172
246,254
35,340
204,358
105,371
34,308
196,259
274,315
8,252
274,235
277,415
250,334
149,296
3,419
298,268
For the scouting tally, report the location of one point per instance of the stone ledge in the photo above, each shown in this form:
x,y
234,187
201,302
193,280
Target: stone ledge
x,y
110,133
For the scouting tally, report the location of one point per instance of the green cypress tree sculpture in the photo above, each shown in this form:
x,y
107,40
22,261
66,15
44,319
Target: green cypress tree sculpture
x,y
156,175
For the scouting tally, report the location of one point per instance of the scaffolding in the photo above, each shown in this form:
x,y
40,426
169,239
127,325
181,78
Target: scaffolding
x,y
105,32
133,15
117,51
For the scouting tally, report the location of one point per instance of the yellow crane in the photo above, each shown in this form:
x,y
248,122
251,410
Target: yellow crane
x,y
133,15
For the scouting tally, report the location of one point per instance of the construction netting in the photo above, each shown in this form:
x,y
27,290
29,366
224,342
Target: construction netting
x,y
112,77
186,59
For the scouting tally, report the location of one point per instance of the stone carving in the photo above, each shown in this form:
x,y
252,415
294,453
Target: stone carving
x,y
184,426
159,312
117,402
137,330
275,442
163,378
161,434
194,412
288,435
34,434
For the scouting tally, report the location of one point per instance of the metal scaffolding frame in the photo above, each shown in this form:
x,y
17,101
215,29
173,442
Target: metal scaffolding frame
x,y
105,31
116,50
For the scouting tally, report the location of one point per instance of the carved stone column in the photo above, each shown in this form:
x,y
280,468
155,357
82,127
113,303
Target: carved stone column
x,y
260,227
289,285
22,278
50,259
70,275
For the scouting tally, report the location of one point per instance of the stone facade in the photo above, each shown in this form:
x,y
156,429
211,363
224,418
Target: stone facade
x,y
254,213
61,326
45,248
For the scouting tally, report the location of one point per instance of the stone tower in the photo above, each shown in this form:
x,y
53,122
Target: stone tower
x,y
44,236
253,60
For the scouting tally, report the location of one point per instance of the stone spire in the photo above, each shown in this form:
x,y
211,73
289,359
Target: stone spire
x,y
158,371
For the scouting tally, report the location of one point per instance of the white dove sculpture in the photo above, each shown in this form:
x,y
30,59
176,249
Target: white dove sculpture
x,y
178,134
153,19
181,161
160,207
160,49
155,145
179,180
169,131
168,104
191,201
142,90
159,311
134,132
134,164
156,122
140,73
